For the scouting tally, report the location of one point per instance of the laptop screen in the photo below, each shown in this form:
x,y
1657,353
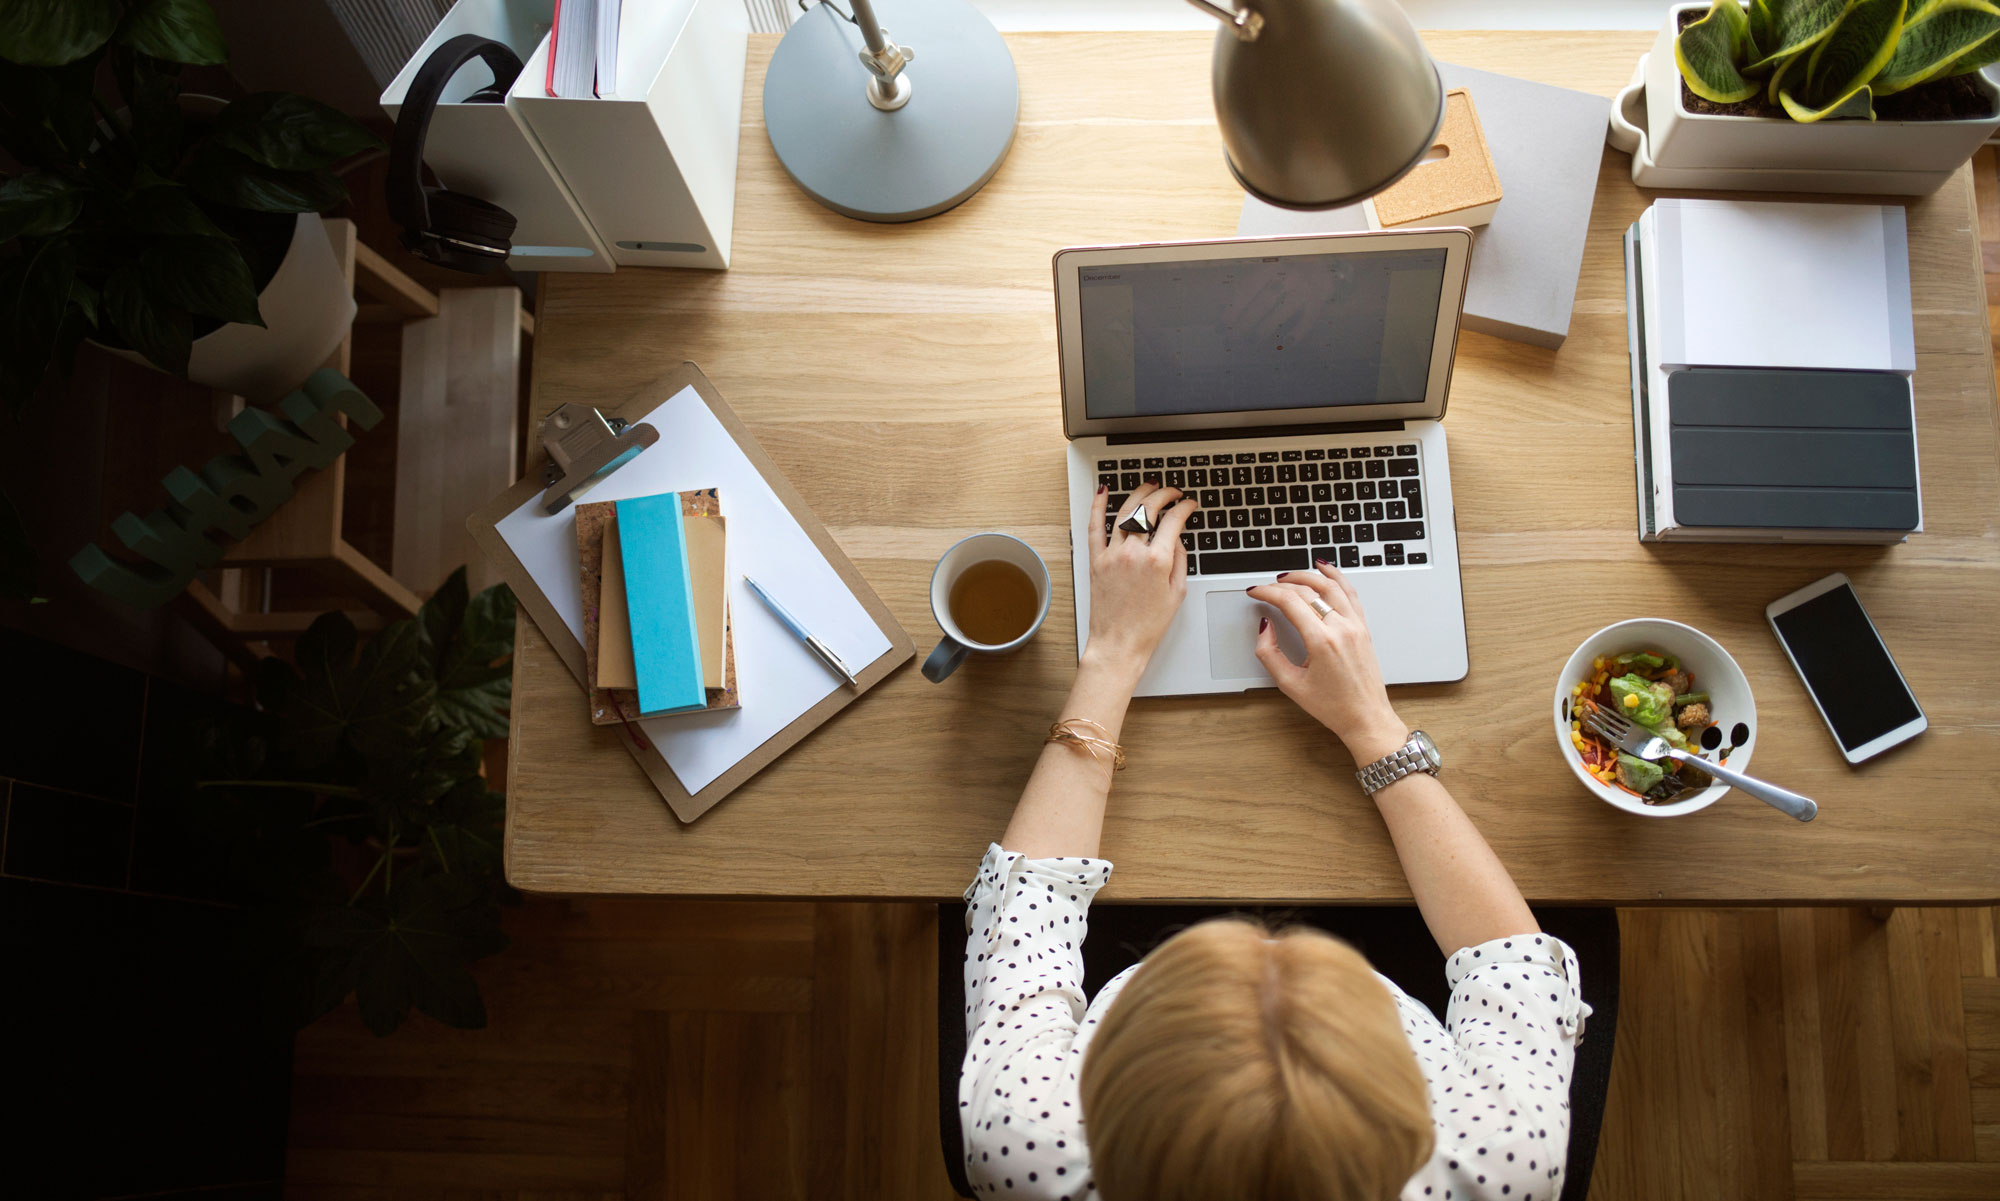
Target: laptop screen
x,y
1303,331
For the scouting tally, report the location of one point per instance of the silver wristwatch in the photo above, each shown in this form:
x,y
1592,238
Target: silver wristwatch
x,y
1419,754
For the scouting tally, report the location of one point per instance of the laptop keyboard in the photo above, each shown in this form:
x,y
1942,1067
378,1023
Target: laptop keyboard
x,y
1266,511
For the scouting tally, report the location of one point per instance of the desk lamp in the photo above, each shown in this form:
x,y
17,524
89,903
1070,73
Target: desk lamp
x,y
1322,103
881,140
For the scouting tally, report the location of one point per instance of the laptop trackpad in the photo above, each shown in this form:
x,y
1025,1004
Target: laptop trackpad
x,y
1232,636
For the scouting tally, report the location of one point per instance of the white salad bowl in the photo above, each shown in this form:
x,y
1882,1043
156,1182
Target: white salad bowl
x,y
1715,673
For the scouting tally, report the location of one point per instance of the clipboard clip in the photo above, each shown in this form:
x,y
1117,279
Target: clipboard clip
x,y
584,446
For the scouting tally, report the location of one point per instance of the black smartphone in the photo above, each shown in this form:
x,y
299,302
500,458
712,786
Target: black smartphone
x,y
1858,688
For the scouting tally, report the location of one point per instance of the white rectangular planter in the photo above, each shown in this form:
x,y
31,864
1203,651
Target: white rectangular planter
x,y
1672,147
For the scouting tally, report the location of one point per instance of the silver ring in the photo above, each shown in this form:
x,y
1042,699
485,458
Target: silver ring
x,y
1139,522
1320,607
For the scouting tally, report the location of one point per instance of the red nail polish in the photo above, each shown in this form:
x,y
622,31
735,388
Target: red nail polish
x,y
1283,574
1320,562
1100,489
1263,623
1251,588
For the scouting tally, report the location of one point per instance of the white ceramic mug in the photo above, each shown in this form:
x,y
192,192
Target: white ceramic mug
x,y
953,648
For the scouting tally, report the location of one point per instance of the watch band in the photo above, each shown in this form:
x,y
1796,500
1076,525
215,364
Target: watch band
x,y
1405,760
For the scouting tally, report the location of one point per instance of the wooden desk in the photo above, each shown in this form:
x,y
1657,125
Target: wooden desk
x,y
905,377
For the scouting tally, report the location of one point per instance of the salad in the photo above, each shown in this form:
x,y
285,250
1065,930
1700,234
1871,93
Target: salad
x,y
1651,689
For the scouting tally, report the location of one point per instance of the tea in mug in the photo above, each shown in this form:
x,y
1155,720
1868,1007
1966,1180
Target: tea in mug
x,y
994,602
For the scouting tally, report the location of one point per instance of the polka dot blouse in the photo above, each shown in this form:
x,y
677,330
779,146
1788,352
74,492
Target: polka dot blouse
x,y
1498,1068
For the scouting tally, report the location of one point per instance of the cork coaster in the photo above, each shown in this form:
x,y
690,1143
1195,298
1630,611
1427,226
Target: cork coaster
x,y
1439,189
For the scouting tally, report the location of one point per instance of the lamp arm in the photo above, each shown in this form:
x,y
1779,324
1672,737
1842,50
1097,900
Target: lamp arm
x,y
871,29
1245,22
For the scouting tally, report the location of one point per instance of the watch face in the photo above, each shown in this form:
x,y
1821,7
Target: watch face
x,y
1428,749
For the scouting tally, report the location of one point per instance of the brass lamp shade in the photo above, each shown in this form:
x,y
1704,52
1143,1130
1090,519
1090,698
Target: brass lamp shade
x,y
1322,102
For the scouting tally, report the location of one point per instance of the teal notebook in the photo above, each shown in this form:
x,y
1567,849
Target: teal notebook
x,y
666,645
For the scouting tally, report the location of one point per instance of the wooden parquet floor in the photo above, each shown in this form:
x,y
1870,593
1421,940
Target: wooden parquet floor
x,y
661,1049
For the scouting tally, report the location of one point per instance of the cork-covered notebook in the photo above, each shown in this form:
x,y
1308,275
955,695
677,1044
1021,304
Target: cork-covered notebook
x,y
609,706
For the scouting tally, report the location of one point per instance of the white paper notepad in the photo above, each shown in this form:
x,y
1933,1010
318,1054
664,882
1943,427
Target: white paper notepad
x,y
778,679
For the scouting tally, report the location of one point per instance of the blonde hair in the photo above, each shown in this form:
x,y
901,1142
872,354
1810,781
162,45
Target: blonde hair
x,y
1237,1063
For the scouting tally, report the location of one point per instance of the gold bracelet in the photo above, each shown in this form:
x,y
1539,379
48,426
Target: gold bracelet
x,y
1098,744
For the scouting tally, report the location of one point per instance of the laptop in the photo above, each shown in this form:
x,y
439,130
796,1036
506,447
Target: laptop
x,y
1296,387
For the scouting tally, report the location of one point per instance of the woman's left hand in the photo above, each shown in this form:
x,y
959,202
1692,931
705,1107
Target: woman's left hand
x,y
1136,584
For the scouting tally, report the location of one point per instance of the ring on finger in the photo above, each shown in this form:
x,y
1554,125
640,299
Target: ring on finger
x,y
1320,607
1138,521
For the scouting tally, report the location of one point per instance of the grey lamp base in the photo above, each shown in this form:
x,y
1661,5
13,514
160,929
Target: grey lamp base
x,y
911,163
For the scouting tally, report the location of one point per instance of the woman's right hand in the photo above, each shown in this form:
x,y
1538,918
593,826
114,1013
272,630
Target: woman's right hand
x,y
1341,682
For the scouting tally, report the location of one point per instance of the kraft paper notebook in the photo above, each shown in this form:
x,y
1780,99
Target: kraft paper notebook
x,y
696,759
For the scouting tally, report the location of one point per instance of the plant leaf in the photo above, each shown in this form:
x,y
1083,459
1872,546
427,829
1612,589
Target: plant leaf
x,y
376,703
17,555
202,275
1857,103
1780,74
1707,53
46,111
410,947
159,331
290,133
37,204
1856,51
1948,31
34,296
178,31
1796,25
469,643
157,121
168,211
1763,27
49,33
1978,58
226,177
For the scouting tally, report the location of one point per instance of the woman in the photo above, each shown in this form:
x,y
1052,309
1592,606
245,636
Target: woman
x,y
1234,1062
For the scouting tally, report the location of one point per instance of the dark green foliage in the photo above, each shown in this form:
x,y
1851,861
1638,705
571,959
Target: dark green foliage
x,y
357,813
160,217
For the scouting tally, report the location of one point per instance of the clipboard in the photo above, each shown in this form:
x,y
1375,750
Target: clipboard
x,y
686,806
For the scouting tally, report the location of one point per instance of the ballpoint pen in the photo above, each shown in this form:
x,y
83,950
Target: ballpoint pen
x,y
806,636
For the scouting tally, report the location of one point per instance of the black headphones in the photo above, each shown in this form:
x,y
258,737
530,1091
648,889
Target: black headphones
x,y
448,228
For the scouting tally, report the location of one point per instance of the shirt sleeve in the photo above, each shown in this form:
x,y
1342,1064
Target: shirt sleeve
x,y
1515,1017
1024,1003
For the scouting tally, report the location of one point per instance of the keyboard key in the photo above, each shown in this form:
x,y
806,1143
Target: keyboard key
x,y
1253,496
1301,494
1282,515
1296,536
1321,493
1239,518
1396,512
1210,499
1342,535
1197,460
1359,452
1343,491
1350,512
1364,533
1197,477
1411,488
1419,558
1377,469
1206,540
1372,511
1128,464
1174,461
1351,470
1193,567
1116,501
1337,452
1253,539
1176,479
1240,476
1265,474
1107,464
1321,536
1350,557
1329,513
1391,559
1232,497
1403,467
1187,540
1155,464
1287,473
1267,456
1365,490
1308,472
1289,456
1371,560
1194,520
1129,481
1231,539
1109,479
1260,517
1400,531
1267,562
1416,504
1315,454
1406,448
1385,452
1392,548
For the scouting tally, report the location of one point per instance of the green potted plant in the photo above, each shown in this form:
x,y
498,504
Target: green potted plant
x,y
1880,96
354,812
178,230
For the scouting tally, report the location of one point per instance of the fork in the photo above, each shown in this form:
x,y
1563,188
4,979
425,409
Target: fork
x,y
1634,739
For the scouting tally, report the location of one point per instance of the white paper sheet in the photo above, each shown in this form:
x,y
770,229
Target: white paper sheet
x,y
777,678
1762,284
